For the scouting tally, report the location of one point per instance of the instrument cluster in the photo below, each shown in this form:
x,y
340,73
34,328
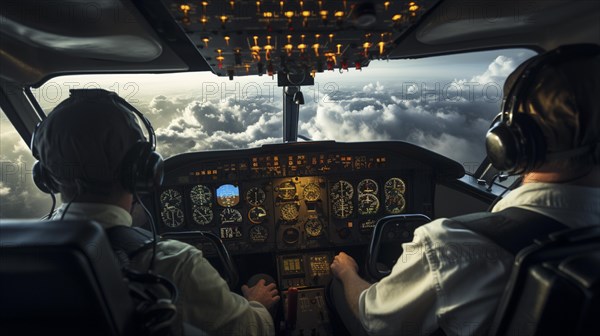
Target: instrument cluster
x,y
300,212
295,197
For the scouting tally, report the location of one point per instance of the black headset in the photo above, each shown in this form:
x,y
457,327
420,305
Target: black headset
x,y
140,170
515,142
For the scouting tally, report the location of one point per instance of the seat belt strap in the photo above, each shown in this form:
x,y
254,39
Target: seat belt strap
x,y
513,228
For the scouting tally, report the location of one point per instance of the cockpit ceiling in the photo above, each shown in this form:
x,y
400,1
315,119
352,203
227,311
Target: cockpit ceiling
x,y
239,38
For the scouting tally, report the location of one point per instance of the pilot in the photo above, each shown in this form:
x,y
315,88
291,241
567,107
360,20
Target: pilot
x,y
428,290
83,145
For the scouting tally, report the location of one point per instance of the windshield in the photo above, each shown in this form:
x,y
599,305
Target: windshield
x,y
444,104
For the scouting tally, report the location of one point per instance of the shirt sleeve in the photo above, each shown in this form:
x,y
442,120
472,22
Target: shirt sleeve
x,y
205,300
404,302
448,277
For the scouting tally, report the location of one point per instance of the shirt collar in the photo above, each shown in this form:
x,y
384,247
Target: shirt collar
x,y
552,195
107,215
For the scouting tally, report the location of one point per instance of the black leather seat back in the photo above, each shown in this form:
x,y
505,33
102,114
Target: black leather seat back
x,y
61,277
554,288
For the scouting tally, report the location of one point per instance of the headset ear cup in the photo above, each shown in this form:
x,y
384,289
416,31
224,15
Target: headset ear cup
x,y
502,147
142,168
42,180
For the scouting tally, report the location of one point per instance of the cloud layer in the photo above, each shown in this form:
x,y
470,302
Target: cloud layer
x,y
448,116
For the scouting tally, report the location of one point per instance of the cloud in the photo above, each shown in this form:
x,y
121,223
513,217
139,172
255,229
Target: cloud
x,y
3,189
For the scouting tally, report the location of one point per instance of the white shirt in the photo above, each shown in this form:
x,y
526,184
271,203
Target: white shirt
x,y
452,278
205,300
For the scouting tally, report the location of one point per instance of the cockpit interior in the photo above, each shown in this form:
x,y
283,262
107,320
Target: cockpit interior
x,y
285,207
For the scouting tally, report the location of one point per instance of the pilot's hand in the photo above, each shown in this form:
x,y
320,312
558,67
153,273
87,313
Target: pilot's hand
x,y
343,265
267,295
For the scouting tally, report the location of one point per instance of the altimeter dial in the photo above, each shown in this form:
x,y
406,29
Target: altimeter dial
x,y
255,196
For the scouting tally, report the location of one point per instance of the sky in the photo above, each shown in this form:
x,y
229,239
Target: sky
x,y
442,103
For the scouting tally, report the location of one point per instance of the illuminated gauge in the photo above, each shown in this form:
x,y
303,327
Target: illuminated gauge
x,y
200,195
394,203
395,184
367,186
291,235
257,214
312,192
289,211
342,208
202,215
230,215
258,234
172,216
342,189
255,196
313,227
368,204
170,197
228,195
287,190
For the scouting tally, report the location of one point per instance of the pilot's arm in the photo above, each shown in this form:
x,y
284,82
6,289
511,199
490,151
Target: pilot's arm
x,y
447,277
205,300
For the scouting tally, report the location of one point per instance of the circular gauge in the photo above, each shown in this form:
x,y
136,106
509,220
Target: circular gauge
x,y
172,216
313,227
342,208
368,204
394,204
255,196
230,215
200,195
395,184
289,211
286,190
228,195
258,234
170,197
257,214
291,235
367,186
202,215
312,192
342,189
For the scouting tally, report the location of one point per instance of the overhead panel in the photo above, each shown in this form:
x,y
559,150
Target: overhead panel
x,y
297,38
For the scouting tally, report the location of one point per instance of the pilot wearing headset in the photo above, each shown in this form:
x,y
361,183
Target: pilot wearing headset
x,y
92,150
548,132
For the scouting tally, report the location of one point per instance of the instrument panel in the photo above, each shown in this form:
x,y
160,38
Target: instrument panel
x,y
311,197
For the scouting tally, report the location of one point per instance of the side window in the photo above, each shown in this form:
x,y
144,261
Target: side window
x,y
19,197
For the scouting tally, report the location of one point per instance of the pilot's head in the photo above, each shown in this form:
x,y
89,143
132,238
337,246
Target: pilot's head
x,y
91,147
550,119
